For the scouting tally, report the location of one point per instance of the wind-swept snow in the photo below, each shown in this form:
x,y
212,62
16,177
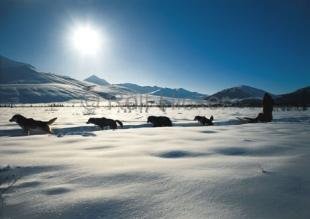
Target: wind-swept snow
x,y
186,171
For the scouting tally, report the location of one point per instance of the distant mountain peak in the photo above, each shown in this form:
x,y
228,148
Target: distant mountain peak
x,y
238,93
96,80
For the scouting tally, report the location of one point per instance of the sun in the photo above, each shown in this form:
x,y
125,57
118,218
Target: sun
x,y
86,40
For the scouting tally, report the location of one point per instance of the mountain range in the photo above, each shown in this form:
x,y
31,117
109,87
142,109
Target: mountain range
x,y
164,91
22,83
151,90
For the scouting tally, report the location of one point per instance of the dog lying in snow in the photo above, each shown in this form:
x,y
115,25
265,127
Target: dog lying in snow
x,y
28,123
159,121
203,120
104,122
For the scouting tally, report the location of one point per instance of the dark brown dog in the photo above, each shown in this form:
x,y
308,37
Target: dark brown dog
x,y
159,121
104,122
203,120
28,123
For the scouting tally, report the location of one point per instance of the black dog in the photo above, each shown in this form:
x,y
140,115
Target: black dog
x,y
28,123
159,121
104,122
203,120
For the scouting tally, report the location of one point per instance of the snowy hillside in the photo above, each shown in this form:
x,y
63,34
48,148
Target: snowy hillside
x,y
13,72
21,83
228,170
41,93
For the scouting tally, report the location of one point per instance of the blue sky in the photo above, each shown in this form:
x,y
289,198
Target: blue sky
x,y
199,45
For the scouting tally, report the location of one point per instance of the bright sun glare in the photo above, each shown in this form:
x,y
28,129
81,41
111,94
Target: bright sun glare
x,y
86,40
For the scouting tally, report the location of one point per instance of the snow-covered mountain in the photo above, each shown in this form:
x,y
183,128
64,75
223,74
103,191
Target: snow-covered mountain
x,y
21,83
238,93
13,72
96,80
163,92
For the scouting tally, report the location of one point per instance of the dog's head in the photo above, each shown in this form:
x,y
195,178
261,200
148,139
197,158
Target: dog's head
x,y
150,119
15,118
211,118
90,121
196,118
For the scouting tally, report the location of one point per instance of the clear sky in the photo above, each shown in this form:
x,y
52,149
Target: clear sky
x,y
199,45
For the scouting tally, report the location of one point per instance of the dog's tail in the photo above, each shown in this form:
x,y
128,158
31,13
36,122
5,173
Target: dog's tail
x,y
50,122
120,123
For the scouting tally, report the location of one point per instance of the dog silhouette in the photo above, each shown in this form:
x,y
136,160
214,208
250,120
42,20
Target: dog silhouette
x,y
104,122
29,123
159,121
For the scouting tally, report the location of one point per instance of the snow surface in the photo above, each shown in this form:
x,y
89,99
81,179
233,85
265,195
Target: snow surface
x,y
229,170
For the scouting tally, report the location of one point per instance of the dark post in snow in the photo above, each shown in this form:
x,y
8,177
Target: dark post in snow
x,y
266,116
